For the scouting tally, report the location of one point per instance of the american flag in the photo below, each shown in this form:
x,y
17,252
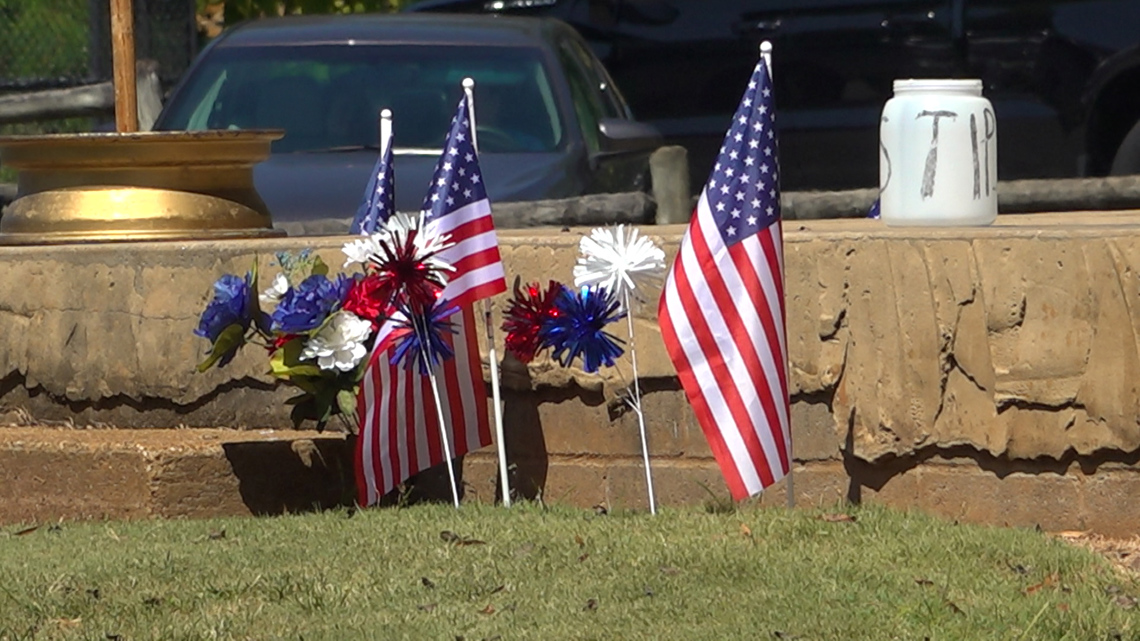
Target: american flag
x,y
722,308
399,430
379,197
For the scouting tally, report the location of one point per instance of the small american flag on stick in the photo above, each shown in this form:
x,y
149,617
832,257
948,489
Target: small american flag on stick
x,y
399,430
722,308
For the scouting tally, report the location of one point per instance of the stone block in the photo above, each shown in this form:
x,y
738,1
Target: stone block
x,y
814,434
816,485
42,481
48,474
1109,503
971,494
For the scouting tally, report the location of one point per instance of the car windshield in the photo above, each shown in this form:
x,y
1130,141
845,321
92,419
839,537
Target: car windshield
x,y
328,97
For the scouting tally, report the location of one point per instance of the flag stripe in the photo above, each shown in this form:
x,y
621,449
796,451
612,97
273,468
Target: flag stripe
x,y
466,222
456,421
363,453
479,258
473,282
482,432
770,246
742,319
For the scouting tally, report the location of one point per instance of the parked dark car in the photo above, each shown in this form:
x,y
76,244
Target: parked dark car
x,y
551,123
1064,75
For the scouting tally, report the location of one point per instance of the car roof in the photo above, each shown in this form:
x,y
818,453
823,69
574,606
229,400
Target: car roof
x,y
386,28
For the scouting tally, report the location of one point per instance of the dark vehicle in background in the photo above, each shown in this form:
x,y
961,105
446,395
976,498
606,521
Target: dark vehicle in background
x,y
1063,75
550,122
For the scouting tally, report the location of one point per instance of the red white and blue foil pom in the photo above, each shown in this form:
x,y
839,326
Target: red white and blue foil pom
x,y
528,310
577,330
421,341
405,256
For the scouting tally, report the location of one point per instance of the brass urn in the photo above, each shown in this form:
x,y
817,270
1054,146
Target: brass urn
x,y
98,187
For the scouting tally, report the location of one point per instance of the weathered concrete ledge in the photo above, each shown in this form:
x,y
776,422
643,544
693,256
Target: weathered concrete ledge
x,y
987,374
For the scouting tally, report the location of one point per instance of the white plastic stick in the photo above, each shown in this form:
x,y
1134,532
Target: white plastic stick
x,y
385,130
443,434
766,54
447,451
637,408
504,480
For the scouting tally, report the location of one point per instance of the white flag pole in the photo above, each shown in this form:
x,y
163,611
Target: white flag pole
x,y
469,90
766,55
385,130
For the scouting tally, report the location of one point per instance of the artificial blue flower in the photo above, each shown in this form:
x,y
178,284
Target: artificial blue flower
x,y
422,344
577,329
230,306
307,305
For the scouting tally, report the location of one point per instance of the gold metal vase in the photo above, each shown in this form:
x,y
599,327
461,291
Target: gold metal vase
x,y
100,187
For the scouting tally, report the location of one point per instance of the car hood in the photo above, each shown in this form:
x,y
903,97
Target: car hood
x,y
305,187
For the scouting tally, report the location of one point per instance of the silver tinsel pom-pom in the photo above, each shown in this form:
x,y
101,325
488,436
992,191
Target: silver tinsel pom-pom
x,y
620,260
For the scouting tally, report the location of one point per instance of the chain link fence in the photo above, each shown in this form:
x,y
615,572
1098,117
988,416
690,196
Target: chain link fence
x,y
61,43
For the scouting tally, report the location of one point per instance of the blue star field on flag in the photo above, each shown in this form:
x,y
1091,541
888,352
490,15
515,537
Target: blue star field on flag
x,y
457,180
744,189
379,201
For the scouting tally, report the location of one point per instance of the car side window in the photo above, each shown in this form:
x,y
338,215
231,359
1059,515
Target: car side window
x,y
612,103
584,95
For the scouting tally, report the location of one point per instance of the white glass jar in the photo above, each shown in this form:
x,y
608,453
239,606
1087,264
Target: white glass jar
x,y
938,155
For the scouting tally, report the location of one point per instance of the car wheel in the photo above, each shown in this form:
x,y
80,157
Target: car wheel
x,y
1127,159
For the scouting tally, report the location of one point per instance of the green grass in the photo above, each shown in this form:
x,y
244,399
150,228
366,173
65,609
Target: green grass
x,y
556,574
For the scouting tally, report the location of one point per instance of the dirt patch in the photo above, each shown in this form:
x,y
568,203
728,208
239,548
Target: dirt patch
x,y
1123,554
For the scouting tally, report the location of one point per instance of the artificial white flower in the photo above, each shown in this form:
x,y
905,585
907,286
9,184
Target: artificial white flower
x,y
276,290
340,344
388,243
361,249
620,262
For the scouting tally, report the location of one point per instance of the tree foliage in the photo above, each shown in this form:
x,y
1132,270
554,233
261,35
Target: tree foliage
x,y
237,10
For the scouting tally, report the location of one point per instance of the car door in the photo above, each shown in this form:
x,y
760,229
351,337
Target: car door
x,y
835,72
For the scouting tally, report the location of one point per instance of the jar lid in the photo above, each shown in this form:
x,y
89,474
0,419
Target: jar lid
x,y
971,86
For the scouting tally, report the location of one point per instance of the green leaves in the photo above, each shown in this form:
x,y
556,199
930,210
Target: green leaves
x,y
319,402
231,338
346,400
286,363
238,10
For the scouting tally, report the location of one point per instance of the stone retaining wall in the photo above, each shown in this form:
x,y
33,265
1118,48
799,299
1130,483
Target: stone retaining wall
x,y
984,374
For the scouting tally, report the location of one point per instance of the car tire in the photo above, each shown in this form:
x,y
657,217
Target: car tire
x,y
1127,159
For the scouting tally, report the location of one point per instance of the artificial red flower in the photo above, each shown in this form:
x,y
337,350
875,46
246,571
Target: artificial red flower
x,y
370,298
279,341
